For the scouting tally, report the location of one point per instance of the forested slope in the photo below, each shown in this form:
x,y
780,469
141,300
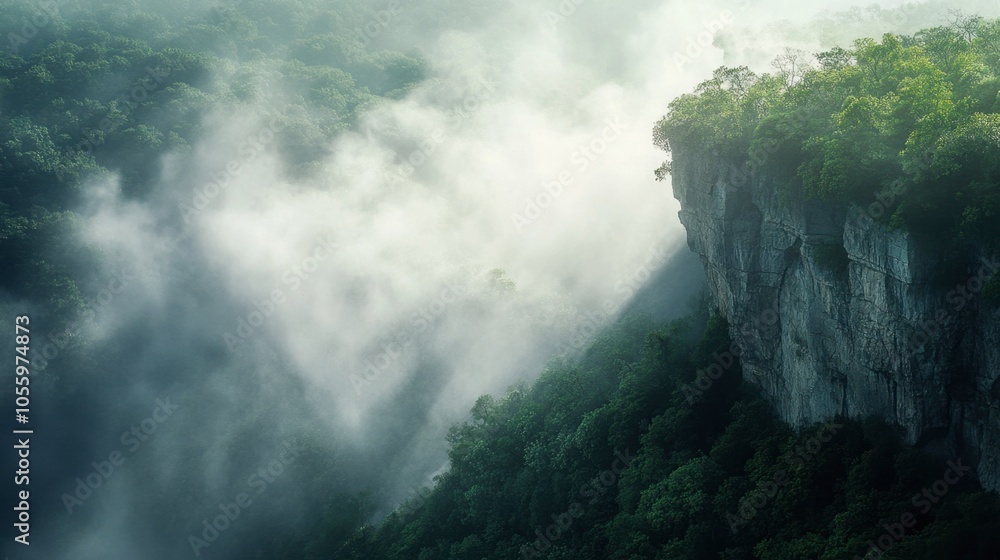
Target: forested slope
x,y
88,88
651,446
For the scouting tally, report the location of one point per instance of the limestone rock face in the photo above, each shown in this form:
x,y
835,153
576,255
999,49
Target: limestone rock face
x,y
837,314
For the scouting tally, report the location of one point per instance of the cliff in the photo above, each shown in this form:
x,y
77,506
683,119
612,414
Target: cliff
x,y
836,313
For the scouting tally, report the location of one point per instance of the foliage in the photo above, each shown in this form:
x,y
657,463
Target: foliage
x,y
538,473
108,86
912,115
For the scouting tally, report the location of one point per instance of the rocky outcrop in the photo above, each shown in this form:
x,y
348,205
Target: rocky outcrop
x,y
837,314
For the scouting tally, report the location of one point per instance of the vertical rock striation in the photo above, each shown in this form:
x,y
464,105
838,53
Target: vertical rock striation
x,y
838,314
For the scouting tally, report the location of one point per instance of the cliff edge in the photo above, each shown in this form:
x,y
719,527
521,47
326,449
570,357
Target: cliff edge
x,y
835,313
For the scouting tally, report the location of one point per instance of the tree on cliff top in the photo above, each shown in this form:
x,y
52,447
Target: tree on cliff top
x,y
912,114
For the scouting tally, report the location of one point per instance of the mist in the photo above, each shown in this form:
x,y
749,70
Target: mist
x,y
337,317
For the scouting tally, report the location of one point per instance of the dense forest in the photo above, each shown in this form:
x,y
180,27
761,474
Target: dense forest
x,y
909,120
97,87
651,446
